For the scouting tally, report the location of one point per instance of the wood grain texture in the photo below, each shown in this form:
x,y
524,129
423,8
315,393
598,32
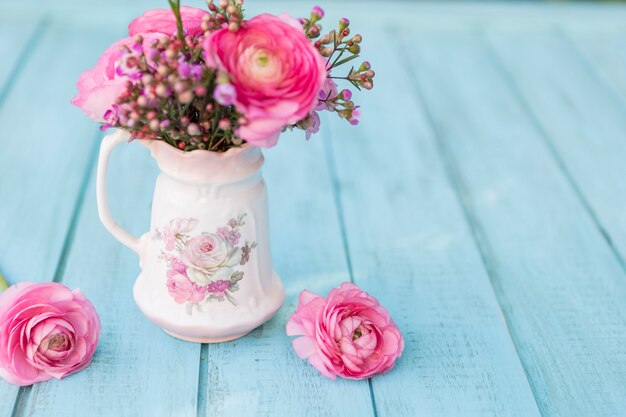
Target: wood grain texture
x,y
260,375
598,115
560,285
46,148
16,56
411,247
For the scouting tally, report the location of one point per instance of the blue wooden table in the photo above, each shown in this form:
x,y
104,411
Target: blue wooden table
x,y
482,199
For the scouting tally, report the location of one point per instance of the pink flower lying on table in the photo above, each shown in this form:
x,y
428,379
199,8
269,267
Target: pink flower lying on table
x,y
348,333
46,331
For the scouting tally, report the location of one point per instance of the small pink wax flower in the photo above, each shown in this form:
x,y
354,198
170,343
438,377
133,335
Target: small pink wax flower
x,y
276,71
46,331
163,21
348,333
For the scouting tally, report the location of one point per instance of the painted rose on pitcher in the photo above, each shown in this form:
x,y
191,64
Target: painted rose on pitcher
x,y
209,256
203,268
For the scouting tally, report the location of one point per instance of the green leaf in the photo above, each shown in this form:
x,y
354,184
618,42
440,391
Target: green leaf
x,y
343,61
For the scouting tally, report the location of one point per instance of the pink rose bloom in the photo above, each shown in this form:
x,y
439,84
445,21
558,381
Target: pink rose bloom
x,y
163,21
276,72
183,290
100,86
208,256
347,334
46,331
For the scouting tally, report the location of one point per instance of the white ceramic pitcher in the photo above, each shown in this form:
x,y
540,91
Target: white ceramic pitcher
x,y
206,268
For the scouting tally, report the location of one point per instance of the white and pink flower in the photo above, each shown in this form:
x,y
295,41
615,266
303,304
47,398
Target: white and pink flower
x,y
203,267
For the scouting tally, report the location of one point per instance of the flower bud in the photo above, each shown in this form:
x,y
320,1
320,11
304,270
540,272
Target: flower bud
x,y
184,120
212,7
314,32
365,66
171,53
317,13
193,129
142,101
345,94
370,74
200,91
181,145
231,9
343,23
326,52
138,39
179,87
185,97
154,125
223,4
368,85
163,70
224,124
357,38
345,32
325,39
209,108
354,49
233,26
165,124
162,90
164,42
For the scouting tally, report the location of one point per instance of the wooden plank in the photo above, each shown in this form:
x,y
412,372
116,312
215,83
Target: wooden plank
x,y
411,247
560,285
595,120
138,369
260,375
42,174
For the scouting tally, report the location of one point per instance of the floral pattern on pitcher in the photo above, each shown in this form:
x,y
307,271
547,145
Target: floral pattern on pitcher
x,y
204,267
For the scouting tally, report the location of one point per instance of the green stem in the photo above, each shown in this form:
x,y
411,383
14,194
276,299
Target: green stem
x,y
337,59
3,283
175,5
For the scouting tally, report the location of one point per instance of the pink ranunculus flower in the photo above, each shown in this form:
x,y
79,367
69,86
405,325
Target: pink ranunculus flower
x,y
46,331
347,333
276,72
100,86
163,21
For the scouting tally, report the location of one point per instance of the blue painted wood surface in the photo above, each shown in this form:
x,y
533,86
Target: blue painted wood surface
x,y
482,200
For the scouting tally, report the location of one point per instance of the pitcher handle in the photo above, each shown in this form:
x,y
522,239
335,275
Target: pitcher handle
x,y
108,144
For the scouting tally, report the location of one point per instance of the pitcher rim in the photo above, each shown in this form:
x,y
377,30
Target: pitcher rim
x,y
149,143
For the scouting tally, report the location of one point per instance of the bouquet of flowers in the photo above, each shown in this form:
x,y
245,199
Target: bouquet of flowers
x,y
212,80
